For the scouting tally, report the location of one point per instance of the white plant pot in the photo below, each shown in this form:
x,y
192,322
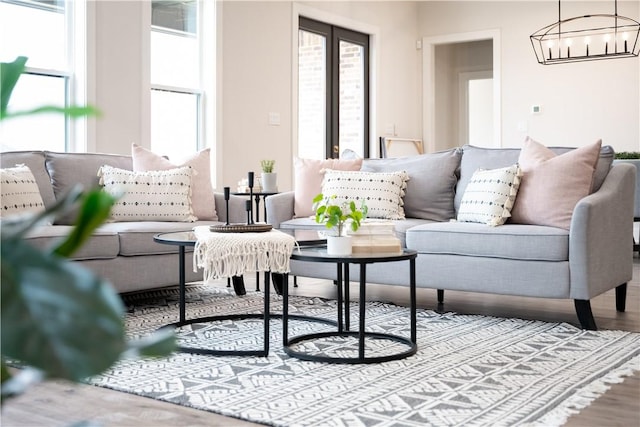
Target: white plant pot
x,y
339,245
269,182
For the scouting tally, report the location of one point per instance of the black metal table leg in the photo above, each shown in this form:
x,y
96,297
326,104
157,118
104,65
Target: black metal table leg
x,y
363,302
182,280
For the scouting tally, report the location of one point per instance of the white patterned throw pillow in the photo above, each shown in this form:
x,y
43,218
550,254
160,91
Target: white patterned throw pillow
x,y
19,192
149,196
381,191
490,195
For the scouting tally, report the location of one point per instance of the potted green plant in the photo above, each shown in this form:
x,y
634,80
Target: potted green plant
x,y
336,217
269,177
58,319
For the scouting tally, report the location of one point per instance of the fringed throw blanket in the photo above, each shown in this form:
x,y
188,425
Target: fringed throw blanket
x,y
234,254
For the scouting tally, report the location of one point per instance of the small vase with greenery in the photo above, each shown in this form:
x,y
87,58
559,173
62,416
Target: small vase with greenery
x,y
336,217
269,177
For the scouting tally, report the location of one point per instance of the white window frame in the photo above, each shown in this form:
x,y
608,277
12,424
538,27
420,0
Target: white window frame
x,y
205,93
76,14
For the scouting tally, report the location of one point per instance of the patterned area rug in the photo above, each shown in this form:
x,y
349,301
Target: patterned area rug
x,y
468,370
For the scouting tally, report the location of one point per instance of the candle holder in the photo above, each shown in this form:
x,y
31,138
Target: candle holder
x,y
250,203
227,191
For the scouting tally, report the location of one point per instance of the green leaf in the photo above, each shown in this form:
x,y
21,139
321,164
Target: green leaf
x,y
56,315
15,230
94,211
160,343
72,111
9,74
318,198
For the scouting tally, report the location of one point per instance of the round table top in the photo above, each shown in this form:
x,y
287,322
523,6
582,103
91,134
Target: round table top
x,y
319,254
179,238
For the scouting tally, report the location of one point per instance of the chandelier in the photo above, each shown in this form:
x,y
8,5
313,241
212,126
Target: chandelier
x,y
587,38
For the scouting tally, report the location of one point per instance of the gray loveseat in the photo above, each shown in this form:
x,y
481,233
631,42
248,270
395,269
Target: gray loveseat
x,y
592,257
122,252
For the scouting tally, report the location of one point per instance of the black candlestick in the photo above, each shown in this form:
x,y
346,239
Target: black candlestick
x,y
250,207
248,204
226,199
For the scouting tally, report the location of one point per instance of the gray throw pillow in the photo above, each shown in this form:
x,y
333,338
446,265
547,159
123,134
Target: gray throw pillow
x,y
432,181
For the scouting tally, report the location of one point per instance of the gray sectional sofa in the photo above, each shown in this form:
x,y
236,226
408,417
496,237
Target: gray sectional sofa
x,y
593,256
122,252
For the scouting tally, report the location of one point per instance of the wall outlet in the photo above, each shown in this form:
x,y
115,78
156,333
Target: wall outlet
x,y
390,129
274,119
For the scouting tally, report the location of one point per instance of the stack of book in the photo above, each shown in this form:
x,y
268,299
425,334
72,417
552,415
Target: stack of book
x,y
375,237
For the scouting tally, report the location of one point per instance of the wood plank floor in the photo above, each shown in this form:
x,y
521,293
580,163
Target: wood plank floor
x,y
62,404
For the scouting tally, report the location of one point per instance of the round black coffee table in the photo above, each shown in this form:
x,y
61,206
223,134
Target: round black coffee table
x,y
184,239
319,254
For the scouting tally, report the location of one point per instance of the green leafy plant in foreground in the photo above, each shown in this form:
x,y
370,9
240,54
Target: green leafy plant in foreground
x,y
58,319
335,216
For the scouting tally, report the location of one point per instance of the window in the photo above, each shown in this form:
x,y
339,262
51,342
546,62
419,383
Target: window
x,y
176,70
40,30
333,90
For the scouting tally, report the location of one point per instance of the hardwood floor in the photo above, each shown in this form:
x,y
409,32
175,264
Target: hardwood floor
x,y
62,404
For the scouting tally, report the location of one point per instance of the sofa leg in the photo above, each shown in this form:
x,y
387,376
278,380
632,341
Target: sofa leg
x,y
621,297
585,316
440,296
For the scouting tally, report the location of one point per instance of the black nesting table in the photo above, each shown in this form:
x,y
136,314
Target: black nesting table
x,y
319,254
184,239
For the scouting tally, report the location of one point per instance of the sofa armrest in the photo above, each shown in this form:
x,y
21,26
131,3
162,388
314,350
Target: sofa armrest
x,y
237,208
601,236
279,208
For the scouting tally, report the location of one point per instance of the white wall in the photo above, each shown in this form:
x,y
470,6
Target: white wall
x,y
121,75
580,102
258,62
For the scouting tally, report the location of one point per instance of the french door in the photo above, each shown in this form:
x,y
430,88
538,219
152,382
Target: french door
x,y
333,90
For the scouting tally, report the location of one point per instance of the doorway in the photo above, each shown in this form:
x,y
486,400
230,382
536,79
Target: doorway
x,y
333,90
461,90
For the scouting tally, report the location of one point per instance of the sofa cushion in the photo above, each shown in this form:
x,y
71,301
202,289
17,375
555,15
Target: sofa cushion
x,y
103,244
489,196
432,181
19,192
309,174
149,196
204,204
510,241
381,191
553,184
136,238
35,161
68,169
474,158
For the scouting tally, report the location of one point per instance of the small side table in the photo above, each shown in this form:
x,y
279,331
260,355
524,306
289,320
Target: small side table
x,y
257,202
319,254
188,238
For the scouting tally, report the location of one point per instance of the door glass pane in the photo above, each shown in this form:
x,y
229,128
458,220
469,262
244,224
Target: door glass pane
x,y
174,123
351,110
39,132
312,72
19,26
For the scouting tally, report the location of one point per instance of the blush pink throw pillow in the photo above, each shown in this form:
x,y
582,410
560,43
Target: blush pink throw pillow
x,y
309,174
552,185
202,197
